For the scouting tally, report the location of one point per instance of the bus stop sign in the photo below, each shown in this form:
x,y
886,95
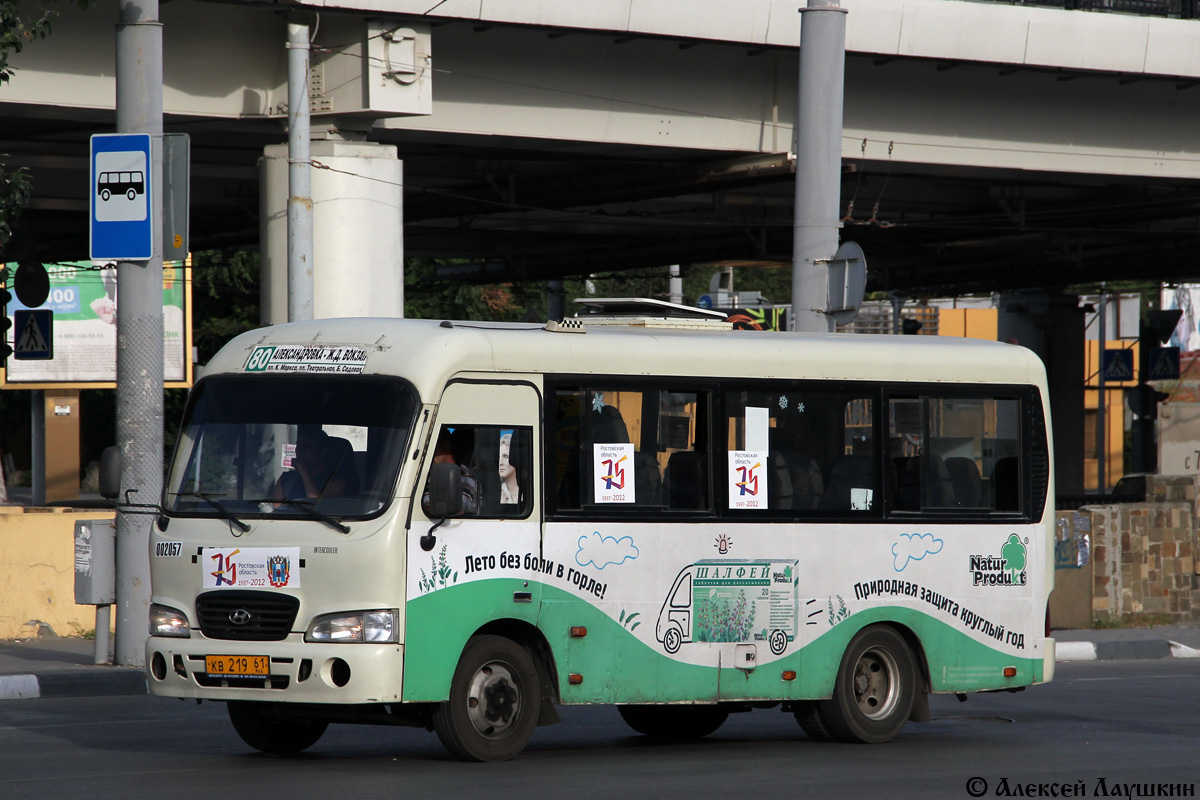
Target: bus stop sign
x,y
119,198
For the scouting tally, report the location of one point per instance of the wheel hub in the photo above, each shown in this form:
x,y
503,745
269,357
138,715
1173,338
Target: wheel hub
x,y
494,699
874,682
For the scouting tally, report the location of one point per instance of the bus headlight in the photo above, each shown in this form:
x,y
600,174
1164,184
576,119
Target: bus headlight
x,y
355,626
167,621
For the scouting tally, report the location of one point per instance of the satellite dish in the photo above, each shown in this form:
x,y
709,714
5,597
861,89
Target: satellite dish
x,y
847,283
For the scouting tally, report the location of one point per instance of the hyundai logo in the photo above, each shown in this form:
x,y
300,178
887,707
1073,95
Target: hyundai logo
x,y
240,617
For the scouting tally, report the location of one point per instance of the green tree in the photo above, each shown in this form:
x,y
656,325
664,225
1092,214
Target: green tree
x,y
225,302
1013,554
19,25
428,297
225,288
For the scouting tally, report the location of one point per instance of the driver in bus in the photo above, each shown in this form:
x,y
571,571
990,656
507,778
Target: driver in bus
x,y
316,469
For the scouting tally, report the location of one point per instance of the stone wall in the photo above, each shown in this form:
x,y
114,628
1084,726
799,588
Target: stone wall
x,y
1143,554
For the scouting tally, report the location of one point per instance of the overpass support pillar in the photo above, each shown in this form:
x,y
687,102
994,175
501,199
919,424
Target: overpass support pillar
x,y
1053,327
358,243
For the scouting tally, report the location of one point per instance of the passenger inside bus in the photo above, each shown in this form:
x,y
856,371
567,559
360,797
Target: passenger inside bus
x,y
455,446
796,481
605,425
323,466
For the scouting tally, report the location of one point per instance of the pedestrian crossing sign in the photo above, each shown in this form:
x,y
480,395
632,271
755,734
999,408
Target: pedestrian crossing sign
x,y
33,334
1164,364
1117,365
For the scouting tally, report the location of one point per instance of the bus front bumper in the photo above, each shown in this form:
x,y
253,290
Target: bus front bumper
x,y
288,671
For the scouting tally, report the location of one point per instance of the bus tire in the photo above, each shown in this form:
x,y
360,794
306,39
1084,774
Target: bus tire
x,y
875,689
808,714
493,705
672,639
264,732
105,194
674,723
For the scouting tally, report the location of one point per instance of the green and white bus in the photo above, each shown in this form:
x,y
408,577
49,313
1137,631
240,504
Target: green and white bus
x,y
463,525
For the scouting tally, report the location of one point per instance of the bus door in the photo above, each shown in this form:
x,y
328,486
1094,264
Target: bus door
x,y
481,565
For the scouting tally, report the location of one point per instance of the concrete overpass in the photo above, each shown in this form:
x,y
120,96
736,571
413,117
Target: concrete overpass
x,y
987,146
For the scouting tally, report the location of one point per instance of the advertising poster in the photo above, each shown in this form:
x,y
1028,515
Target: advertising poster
x,y
747,479
83,298
613,470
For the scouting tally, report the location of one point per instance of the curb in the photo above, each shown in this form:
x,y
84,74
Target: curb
x,y
1122,651
73,684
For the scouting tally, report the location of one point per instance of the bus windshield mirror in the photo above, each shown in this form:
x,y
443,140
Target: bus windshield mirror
x,y
445,491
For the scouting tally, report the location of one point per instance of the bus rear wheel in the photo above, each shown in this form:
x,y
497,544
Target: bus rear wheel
x,y
493,704
875,689
260,730
674,723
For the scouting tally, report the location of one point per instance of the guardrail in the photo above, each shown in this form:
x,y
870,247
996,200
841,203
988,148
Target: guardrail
x,y
1179,9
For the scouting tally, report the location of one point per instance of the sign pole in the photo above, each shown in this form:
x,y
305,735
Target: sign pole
x,y
815,221
1101,400
139,330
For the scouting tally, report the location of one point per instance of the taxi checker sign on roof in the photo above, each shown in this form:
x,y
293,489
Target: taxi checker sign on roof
x,y
307,358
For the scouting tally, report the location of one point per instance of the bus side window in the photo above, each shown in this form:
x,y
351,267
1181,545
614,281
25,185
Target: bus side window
x,y
495,463
658,461
955,452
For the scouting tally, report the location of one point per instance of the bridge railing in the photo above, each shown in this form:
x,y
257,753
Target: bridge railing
x,y
1180,9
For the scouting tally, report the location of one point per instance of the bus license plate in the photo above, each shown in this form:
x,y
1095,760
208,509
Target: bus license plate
x,y
237,666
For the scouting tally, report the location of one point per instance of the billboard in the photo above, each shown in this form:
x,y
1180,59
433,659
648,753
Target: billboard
x,y
83,299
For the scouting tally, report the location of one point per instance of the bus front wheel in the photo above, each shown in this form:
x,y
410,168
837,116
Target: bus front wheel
x,y
493,704
808,714
260,730
875,690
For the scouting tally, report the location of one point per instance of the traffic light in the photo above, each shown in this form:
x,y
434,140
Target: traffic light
x,y
1144,399
5,324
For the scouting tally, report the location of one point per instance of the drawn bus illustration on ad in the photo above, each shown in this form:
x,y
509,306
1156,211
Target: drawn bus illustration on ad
x,y
731,600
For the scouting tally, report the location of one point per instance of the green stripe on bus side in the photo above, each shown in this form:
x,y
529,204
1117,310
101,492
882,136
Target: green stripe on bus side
x,y
440,623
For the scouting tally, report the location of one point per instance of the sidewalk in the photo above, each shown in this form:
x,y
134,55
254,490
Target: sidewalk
x,y
61,667
64,667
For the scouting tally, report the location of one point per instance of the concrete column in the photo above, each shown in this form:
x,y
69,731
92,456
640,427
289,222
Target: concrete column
x,y
1053,327
358,250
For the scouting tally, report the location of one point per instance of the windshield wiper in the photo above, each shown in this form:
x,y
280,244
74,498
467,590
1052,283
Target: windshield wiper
x,y
224,512
308,508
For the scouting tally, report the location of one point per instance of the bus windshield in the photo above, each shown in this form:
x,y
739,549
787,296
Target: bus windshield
x,y
290,445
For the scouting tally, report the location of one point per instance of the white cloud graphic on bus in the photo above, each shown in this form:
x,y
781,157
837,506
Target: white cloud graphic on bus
x,y
914,547
601,551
